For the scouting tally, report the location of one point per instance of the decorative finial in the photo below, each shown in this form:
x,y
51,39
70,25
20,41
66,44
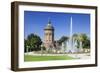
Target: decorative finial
x,y
49,22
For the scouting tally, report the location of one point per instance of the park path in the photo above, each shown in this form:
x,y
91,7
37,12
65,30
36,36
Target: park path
x,y
78,56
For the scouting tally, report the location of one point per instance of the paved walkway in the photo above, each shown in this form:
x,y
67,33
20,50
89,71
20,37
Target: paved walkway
x,y
79,56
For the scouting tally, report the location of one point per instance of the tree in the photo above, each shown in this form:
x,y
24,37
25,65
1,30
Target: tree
x,y
34,42
86,41
75,37
82,40
25,45
63,39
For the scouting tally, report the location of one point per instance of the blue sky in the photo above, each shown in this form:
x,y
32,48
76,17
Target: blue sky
x,y
35,22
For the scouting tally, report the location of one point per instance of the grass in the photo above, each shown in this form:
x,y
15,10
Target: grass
x,y
46,58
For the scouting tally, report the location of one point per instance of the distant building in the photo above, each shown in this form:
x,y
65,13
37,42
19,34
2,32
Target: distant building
x,y
49,35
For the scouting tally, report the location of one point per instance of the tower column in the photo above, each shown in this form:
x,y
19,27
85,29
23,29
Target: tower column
x,y
48,35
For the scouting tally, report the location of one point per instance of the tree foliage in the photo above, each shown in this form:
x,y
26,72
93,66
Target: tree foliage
x,y
83,38
33,42
62,39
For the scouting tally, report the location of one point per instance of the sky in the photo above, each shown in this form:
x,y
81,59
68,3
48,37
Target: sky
x,y
35,22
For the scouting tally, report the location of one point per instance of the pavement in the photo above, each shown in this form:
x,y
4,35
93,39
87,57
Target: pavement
x,y
78,56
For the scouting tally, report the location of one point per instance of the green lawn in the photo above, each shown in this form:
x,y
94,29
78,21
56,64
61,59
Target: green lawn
x,y
45,58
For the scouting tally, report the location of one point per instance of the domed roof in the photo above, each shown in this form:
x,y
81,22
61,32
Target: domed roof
x,y
49,26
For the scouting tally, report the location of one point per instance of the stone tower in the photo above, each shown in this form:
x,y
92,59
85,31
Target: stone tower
x,y
49,35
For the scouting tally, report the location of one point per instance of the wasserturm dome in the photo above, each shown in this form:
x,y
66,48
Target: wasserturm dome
x,y
49,26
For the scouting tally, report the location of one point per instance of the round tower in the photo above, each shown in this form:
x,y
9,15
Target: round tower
x,y
48,35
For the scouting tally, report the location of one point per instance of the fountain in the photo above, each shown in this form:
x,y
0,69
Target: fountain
x,y
80,47
71,44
